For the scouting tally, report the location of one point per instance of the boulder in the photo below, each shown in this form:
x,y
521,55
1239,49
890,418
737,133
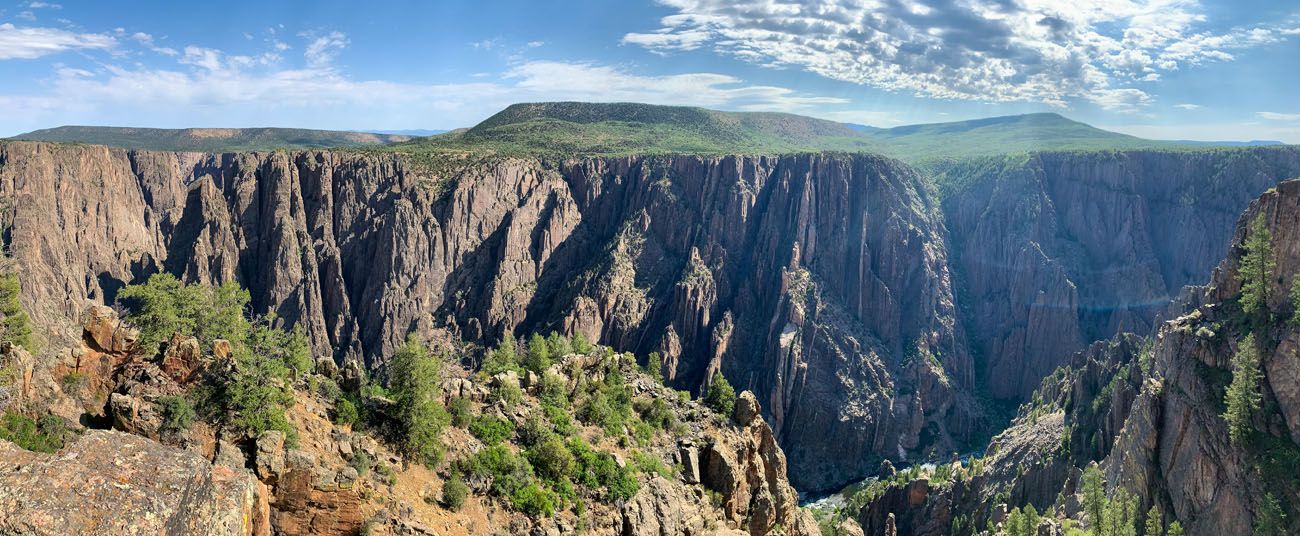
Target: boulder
x,y
747,408
270,457
108,482
105,333
182,360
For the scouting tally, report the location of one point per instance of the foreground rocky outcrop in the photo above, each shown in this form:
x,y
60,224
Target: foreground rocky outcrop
x,y
700,473
819,282
110,482
1150,414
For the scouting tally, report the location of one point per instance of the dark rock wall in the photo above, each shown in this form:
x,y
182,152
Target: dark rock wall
x,y
1055,250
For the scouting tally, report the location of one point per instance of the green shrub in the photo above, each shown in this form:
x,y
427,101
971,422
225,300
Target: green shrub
x,y
73,382
164,306
580,343
346,412
534,431
1270,520
507,471
501,359
650,465
554,391
1295,301
454,491
491,430
538,358
43,436
551,459
507,393
178,414
596,409
533,500
558,345
560,421
362,462
659,415
598,469
387,471
461,415
720,396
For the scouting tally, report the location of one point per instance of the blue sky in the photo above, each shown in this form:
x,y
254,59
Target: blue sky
x,y
1184,69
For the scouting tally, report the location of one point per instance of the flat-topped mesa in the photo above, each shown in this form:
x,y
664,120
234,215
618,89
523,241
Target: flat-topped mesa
x,y
818,281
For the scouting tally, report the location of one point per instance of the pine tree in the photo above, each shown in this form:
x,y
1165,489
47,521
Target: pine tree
x,y
1094,498
14,325
1243,397
1153,524
1175,529
1295,301
1270,520
1256,270
539,354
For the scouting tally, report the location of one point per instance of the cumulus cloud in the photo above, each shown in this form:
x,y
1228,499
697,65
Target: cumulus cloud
x,y
29,43
989,50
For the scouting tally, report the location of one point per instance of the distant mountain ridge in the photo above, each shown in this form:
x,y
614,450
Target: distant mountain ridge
x,y
209,140
578,129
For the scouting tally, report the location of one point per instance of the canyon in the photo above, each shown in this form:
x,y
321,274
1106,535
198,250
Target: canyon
x,y
867,304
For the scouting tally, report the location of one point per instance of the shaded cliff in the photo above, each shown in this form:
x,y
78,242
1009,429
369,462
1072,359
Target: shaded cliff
x,y
1054,250
1151,414
818,281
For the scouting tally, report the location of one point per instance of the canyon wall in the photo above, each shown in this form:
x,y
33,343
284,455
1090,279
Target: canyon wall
x,y
1055,250
1150,413
820,282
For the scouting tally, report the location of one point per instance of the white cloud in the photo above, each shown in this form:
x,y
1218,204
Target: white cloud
x,y
322,50
1188,106
1275,116
535,44
28,43
206,87
1046,51
44,5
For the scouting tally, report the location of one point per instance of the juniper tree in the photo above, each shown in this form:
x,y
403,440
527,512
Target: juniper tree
x,y
414,377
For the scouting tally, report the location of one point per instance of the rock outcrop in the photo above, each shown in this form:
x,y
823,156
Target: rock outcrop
x,y
114,483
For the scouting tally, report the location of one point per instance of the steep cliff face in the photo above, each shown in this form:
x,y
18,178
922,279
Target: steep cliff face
x,y
819,282
1151,413
1054,250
